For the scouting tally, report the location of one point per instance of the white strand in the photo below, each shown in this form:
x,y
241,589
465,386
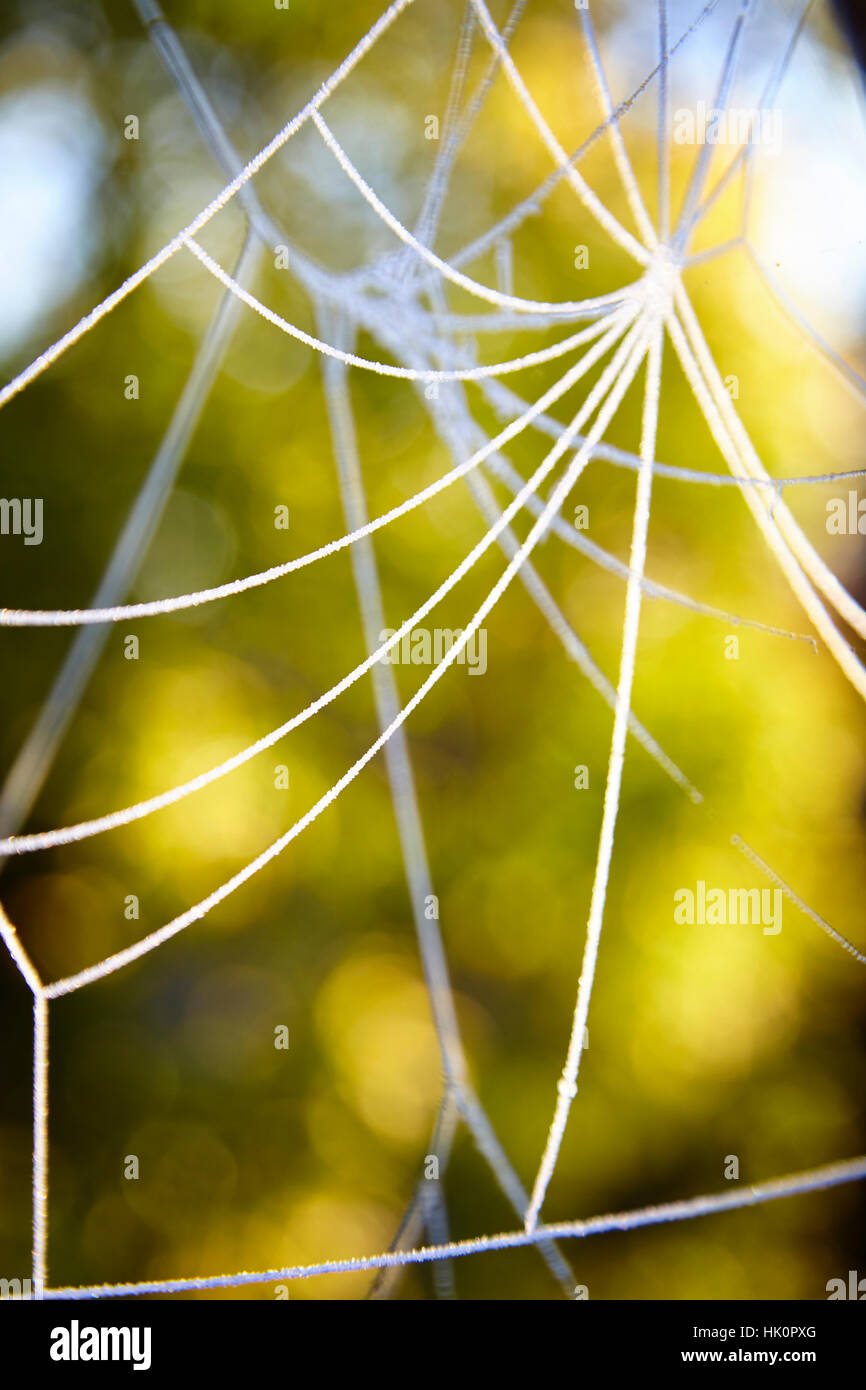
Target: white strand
x,y
688,1209
17,844
663,121
78,617
474,287
405,802
516,364
842,653
852,379
567,1086
776,523
621,370
611,120
40,1145
503,399
712,253
767,99
25,966
532,205
574,648
593,204
503,470
687,218
795,898
51,354
39,1158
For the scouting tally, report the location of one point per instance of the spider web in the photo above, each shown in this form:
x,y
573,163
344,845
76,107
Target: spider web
x,y
400,300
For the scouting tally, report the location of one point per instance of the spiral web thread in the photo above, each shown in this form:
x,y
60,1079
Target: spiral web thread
x,y
401,302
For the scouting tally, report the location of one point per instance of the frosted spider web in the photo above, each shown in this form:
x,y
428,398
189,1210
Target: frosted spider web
x,y
401,301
